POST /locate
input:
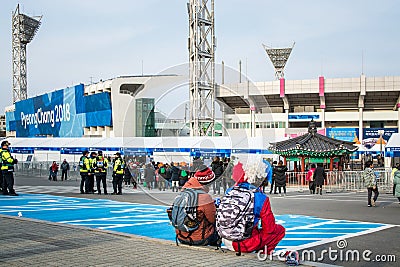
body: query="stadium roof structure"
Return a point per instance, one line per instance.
(312, 145)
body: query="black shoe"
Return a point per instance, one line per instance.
(14, 194)
(5, 193)
(119, 193)
(105, 193)
(99, 193)
(113, 193)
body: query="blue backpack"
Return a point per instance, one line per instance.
(183, 213)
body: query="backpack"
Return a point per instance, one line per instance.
(162, 170)
(184, 173)
(183, 214)
(235, 214)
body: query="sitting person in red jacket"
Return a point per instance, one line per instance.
(270, 233)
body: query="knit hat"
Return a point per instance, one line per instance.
(204, 175)
(238, 173)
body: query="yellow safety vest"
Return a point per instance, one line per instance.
(7, 160)
(119, 165)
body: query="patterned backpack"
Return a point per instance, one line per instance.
(235, 214)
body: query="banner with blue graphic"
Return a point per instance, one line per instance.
(62, 113)
(344, 134)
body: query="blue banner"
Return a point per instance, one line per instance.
(343, 134)
(62, 113)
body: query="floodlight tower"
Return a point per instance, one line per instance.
(23, 31)
(279, 57)
(202, 67)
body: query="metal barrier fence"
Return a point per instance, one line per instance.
(340, 181)
(336, 181)
(42, 169)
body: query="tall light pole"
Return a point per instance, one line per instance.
(24, 29)
(202, 67)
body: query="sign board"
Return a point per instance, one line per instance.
(62, 113)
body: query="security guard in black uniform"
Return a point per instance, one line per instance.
(100, 166)
(118, 174)
(84, 168)
(7, 169)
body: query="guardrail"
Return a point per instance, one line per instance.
(336, 181)
(340, 181)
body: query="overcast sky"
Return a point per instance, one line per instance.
(84, 40)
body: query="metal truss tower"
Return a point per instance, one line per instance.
(279, 57)
(202, 67)
(24, 29)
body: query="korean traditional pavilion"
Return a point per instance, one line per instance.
(313, 146)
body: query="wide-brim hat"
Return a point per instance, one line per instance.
(204, 175)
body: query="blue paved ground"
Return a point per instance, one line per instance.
(152, 221)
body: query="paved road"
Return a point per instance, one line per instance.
(339, 206)
(26, 242)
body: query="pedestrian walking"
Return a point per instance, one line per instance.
(135, 174)
(369, 178)
(319, 177)
(162, 174)
(183, 176)
(396, 184)
(218, 168)
(175, 173)
(64, 170)
(280, 177)
(273, 178)
(149, 175)
(310, 178)
(53, 171)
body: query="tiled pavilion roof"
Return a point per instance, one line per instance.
(312, 145)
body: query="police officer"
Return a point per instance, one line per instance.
(100, 165)
(92, 158)
(7, 169)
(84, 168)
(118, 174)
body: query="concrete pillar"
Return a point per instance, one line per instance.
(253, 121)
(360, 124)
(287, 118)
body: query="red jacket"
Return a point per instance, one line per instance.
(206, 210)
(310, 176)
(268, 235)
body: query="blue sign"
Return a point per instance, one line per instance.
(209, 152)
(134, 151)
(303, 117)
(62, 113)
(343, 134)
